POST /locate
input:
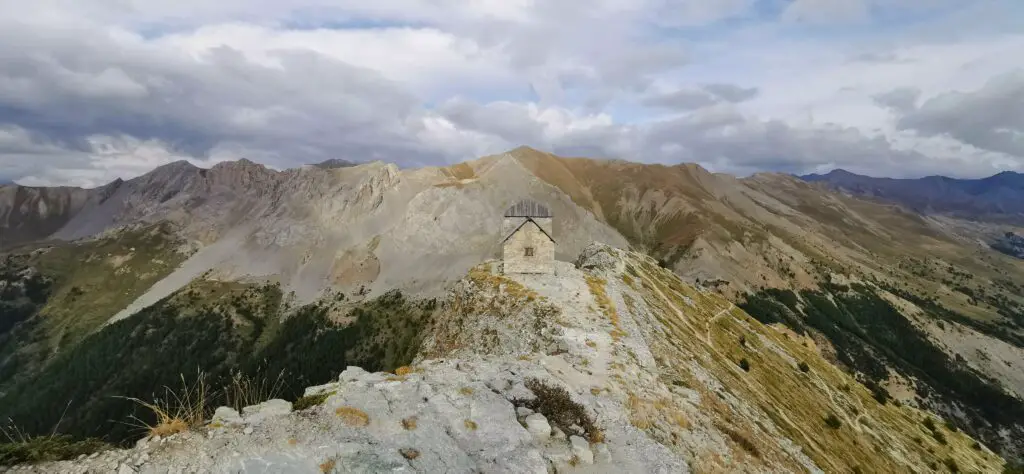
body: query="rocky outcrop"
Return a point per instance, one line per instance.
(635, 372)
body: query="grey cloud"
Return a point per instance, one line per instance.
(731, 92)
(706, 95)
(903, 99)
(682, 99)
(719, 137)
(65, 87)
(990, 118)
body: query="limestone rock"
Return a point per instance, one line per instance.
(599, 257)
(319, 389)
(222, 416)
(581, 449)
(538, 426)
(267, 409)
(352, 373)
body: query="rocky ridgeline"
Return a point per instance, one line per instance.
(444, 416)
(610, 365)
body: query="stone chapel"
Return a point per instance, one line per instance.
(528, 245)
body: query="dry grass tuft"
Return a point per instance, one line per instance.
(640, 413)
(244, 390)
(404, 370)
(327, 466)
(605, 304)
(176, 411)
(466, 390)
(352, 416)
(409, 453)
(470, 425)
(409, 423)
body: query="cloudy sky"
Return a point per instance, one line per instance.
(91, 90)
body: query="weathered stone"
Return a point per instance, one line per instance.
(523, 412)
(538, 426)
(319, 389)
(352, 373)
(557, 433)
(222, 416)
(601, 453)
(581, 449)
(267, 409)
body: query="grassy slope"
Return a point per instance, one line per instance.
(217, 328)
(772, 231)
(89, 282)
(699, 342)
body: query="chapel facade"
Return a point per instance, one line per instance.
(528, 245)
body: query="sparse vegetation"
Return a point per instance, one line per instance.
(741, 440)
(866, 330)
(744, 364)
(352, 416)
(177, 410)
(310, 401)
(409, 423)
(833, 421)
(244, 389)
(557, 406)
(409, 453)
(38, 449)
(804, 367)
(470, 425)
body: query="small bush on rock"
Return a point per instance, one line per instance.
(745, 365)
(804, 367)
(310, 401)
(832, 421)
(409, 453)
(558, 407)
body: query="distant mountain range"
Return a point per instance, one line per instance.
(999, 197)
(320, 267)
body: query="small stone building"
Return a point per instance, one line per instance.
(528, 245)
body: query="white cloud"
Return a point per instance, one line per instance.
(94, 89)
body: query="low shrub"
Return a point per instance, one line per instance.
(833, 421)
(47, 448)
(310, 401)
(558, 407)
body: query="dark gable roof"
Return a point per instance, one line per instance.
(520, 226)
(528, 208)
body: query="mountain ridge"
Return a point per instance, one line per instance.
(998, 197)
(775, 243)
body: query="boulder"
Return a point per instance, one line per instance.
(538, 426)
(224, 416)
(599, 257)
(581, 449)
(351, 374)
(267, 409)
